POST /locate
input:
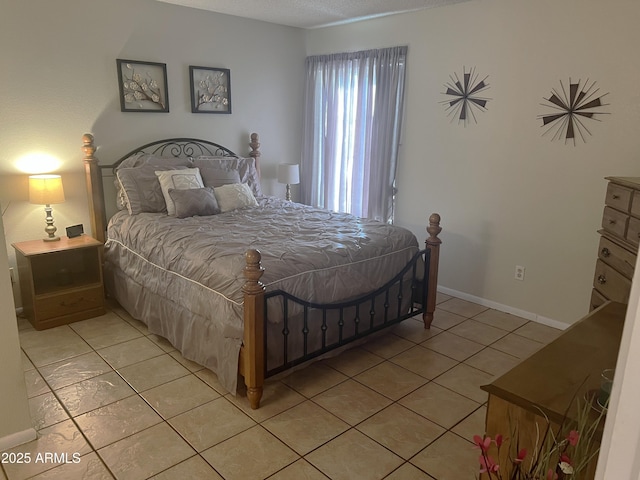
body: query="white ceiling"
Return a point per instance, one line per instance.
(311, 13)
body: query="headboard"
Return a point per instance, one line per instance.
(95, 174)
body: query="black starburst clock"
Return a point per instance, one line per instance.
(465, 96)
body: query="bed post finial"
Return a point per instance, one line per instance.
(253, 347)
(433, 245)
(255, 152)
(95, 195)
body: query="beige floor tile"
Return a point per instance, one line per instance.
(52, 345)
(93, 393)
(462, 307)
(46, 410)
(153, 372)
(445, 320)
(170, 400)
(453, 346)
(408, 472)
(402, 431)
(474, 424)
(35, 383)
(89, 467)
(414, 331)
(478, 332)
(493, 361)
(211, 379)
(276, 398)
(211, 423)
(439, 404)
(105, 330)
(517, 346)
(314, 379)
(61, 438)
(194, 468)
(354, 361)
(466, 381)
(188, 364)
(391, 380)
(449, 458)
(300, 470)
(26, 363)
(74, 370)
(24, 323)
(267, 455)
(351, 401)
(305, 427)
(424, 362)
(442, 297)
(146, 453)
(538, 332)
(387, 345)
(130, 352)
(354, 455)
(502, 320)
(113, 422)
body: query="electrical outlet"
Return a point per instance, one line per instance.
(13, 279)
(519, 275)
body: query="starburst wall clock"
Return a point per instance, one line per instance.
(465, 99)
(571, 111)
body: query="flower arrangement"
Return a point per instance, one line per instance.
(561, 454)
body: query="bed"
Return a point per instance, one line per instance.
(257, 285)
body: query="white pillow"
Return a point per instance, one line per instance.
(185, 179)
(234, 196)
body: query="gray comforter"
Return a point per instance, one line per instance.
(183, 277)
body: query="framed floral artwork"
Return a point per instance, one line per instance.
(143, 86)
(210, 90)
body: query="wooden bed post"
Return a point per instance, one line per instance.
(253, 347)
(255, 152)
(433, 245)
(95, 194)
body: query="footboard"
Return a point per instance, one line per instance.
(307, 330)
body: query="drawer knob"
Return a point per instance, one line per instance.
(612, 222)
(606, 252)
(602, 279)
(615, 196)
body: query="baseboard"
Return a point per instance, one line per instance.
(18, 438)
(534, 317)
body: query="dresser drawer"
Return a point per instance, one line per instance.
(59, 305)
(597, 299)
(635, 203)
(633, 231)
(618, 197)
(616, 256)
(610, 283)
(615, 222)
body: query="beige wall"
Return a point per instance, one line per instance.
(507, 195)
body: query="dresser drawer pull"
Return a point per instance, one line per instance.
(64, 303)
(615, 196)
(612, 222)
(606, 252)
(602, 279)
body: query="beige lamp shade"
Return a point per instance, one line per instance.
(45, 189)
(289, 173)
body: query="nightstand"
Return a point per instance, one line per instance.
(60, 282)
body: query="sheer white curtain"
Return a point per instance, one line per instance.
(353, 111)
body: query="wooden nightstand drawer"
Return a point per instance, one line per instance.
(619, 197)
(58, 305)
(610, 283)
(618, 257)
(614, 221)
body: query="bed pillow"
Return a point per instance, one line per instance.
(213, 177)
(194, 201)
(139, 189)
(180, 180)
(246, 168)
(234, 196)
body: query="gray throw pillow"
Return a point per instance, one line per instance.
(215, 177)
(140, 188)
(194, 201)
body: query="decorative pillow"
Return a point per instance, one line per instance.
(179, 180)
(212, 177)
(195, 201)
(246, 168)
(234, 196)
(139, 188)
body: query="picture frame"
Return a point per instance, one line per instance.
(143, 86)
(210, 89)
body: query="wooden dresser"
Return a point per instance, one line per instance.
(620, 235)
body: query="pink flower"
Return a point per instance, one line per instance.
(573, 437)
(488, 465)
(521, 454)
(482, 443)
(498, 440)
(551, 475)
(565, 458)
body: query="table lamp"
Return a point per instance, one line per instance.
(46, 190)
(288, 173)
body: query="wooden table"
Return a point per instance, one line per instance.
(554, 377)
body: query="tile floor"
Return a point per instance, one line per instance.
(401, 407)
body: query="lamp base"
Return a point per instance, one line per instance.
(51, 239)
(50, 228)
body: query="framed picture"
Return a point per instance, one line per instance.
(210, 90)
(143, 86)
